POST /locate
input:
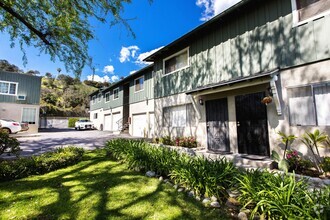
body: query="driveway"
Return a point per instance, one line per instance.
(32, 144)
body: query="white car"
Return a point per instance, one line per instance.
(84, 124)
(10, 126)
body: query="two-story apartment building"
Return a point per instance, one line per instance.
(20, 98)
(127, 104)
(215, 81)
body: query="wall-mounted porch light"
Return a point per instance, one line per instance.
(201, 101)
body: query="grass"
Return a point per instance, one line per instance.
(98, 188)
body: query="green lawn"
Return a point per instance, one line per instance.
(98, 188)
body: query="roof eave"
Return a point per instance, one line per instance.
(216, 18)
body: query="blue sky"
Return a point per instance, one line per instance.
(115, 52)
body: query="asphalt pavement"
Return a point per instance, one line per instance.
(50, 139)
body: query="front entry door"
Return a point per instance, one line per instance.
(252, 129)
(217, 125)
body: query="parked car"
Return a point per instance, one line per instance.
(83, 124)
(10, 126)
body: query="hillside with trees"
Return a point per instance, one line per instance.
(64, 96)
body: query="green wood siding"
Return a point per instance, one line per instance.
(250, 42)
(27, 85)
(148, 90)
(107, 105)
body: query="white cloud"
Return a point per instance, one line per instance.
(128, 52)
(132, 72)
(105, 78)
(114, 78)
(142, 56)
(214, 7)
(98, 78)
(109, 69)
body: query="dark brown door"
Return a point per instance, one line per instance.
(252, 129)
(217, 125)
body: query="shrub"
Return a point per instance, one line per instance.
(23, 167)
(9, 144)
(72, 121)
(167, 140)
(326, 164)
(205, 177)
(189, 142)
(298, 163)
(276, 196)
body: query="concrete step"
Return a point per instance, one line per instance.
(241, 160)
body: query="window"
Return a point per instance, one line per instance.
(179, 116)
(99, 97)
(138, 84)
(94, 99)
(176, 62)
(116, 93)
(107, 97)
(309, 105)
(305, 10)
(29, 115)
(8, 88)
(95, 116)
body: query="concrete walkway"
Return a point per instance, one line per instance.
(48, 140)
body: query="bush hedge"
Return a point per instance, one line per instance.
(205, 177)
(267, 195)
(9, 144)
(35, 165)
(72, 121)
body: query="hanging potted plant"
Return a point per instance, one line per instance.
(266, 100)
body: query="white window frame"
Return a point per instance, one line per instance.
(113, 91)
(315, 109)
(174, 120)
(295, 15)
(176, 54)
(105, 97)
(135, 91)
(94, 99)
(99, 97)
(9, 82)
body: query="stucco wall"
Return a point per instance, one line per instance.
(99, 122)
(303, 75)
(139, 108)
(14, 111)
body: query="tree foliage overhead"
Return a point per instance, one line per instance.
(60, 28)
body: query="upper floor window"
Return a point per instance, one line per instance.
(308, 105)
(99, 97)
(138, 84)
(107, 97)
(116, 93)
(94, 99)
(176, 62)
(306, 10)
(8, 88)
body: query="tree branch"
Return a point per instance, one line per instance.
(27, 24)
